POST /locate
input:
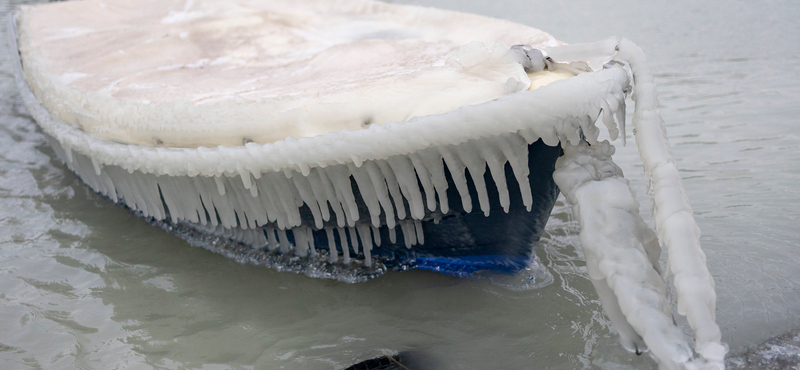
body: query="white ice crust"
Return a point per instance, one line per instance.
(388, 160)
(189, 73)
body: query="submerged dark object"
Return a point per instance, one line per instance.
(406, 360)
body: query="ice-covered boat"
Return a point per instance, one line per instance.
(356, 130)
(352, 127)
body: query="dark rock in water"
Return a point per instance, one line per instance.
(778, 353)
(407, 360)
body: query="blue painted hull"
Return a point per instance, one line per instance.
(461, 243)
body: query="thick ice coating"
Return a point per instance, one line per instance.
(260, 71)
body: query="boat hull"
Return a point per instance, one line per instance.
(460, 243)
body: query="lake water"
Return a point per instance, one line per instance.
(85, 284)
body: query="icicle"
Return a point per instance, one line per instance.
(96, 166)
(271, 239)
(333, 254)
(406, 239)
(304, 169)
(491, 154)
(238, 203)
(124, 188)
(394, 188)
(253, 189)
(135, 196)
(304, 188)
(227, 211)
(220, 186)
(272, 207)
(419, 232)
(425, 179)
(432, 159)
(111, 189)
(381, 191)
(458, 174)
(548, 134)
(275, 207)
(404, 173)
(300, 241)
(529, 136)
(310, 239)
(259, 239)
(368, 193)
(145, 189)
(245, 176)
(318, 189)
(376, 236)
(205, 199)
(256, 210)
(608, 121)
(182, 188)
(224, 209)
(285, 195)
(393, 235)
(368, 257)
(515, 149)
(409, 233)
(166, 190)
(364, 231)
(345, 247)
(340, 178)
(476, 167)
(353, 239)
(333, 200)
(284, 241)
(620, 116)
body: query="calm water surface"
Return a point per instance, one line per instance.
(84, 284)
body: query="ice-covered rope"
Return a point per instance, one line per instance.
(587, 176)
(615, 240)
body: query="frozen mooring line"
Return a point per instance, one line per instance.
(622, 252)
(260, 194)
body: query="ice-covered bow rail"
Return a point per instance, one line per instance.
(621, 251)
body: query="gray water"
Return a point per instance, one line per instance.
(85, 284)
